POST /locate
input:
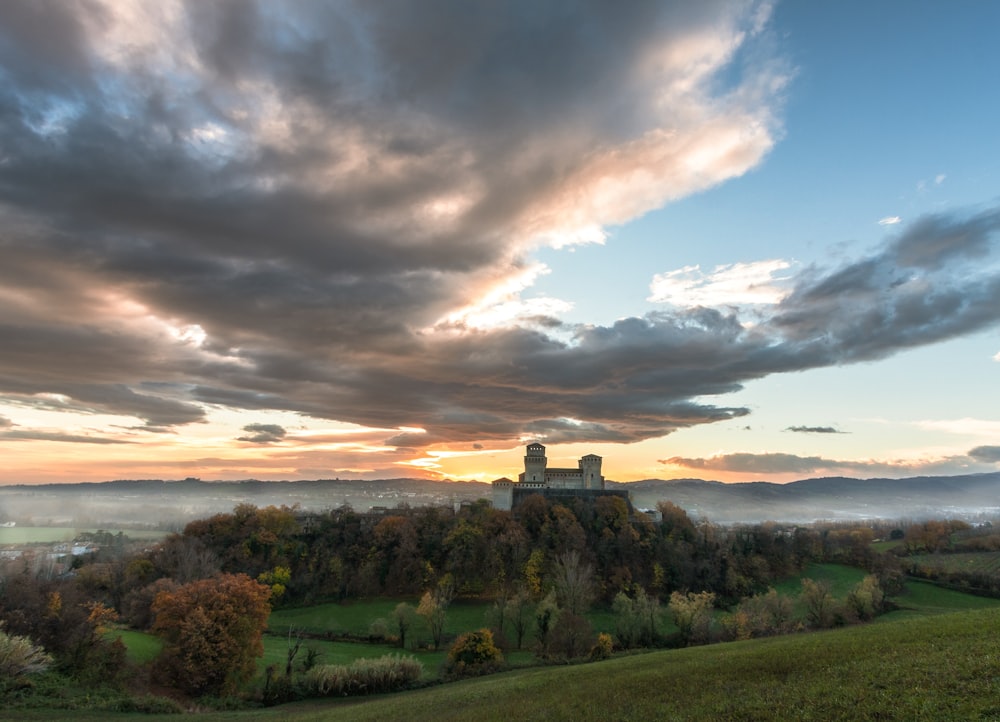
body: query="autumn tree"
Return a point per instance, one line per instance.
(212, 630)
(434, 608)
(474, 653)
(692, 613)
(865, 600)
(819, 603)
(403, 617)
(572, 635)
(573, 581)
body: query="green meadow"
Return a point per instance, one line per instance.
(935, 658)
(935, 666)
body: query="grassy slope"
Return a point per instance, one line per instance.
(924, 662)
(930, 668)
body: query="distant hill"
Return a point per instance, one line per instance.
(156, 502)
(159, 503)
(826, 498)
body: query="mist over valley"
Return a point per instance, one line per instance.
(169, 505)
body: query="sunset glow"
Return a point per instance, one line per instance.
(730, 240)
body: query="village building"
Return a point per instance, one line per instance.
(583, 481)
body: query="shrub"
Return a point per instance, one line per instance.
(363, 676)
(572, 636)
(474, 653)
(692, 613)
(20, 656)
(602, 647)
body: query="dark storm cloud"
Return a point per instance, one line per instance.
(263, 433)
(986, 453)
(814, 430)
(273, 205)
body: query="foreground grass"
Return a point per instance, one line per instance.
(930, 668)
(943, 667)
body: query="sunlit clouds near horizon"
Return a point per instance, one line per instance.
(288, 240)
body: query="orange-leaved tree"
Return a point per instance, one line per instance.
(212, 629)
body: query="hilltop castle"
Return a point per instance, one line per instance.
(585, 481)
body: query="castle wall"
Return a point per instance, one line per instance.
(537, 477)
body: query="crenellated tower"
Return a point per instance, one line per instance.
(590, 469)
(534, 463)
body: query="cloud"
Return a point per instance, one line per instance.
(814, 430)
(38, 435)
(331, 210)
(986, 453)
(778, 463)
(890, 221)
(737, 283)
(263, 433)
(5, 423)
(965, 426)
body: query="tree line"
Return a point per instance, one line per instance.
(207, 591)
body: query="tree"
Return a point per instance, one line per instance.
(692, 613)
(865, 600)
(434, 609)
(627, 622)
(212, 630)
(819, 603)
(518, 613)
(403, 617)
(573, 580)
(571, 636)
(474, 653)
(546, 615)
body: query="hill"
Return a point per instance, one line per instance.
(827, 498)
(158, 502)
(909, 668)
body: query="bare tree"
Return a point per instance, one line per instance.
(573, 580)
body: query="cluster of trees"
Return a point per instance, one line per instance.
(207, 591)
(488, 553)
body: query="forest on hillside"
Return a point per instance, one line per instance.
(207, 592)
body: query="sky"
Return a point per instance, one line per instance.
(295, 240)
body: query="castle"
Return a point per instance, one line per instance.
(585, 481)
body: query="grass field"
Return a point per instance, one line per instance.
(356, 617)
(142, 647)
(977, 562)
(934, 659)
(939, 667)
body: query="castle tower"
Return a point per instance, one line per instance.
(535, 463)
(590, 469)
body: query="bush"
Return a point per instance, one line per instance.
(602, 647)
(20, 656)
(474, 653)
(363, 676)
(572, 636)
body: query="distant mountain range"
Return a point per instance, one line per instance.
(154, 502)
(826, 498)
